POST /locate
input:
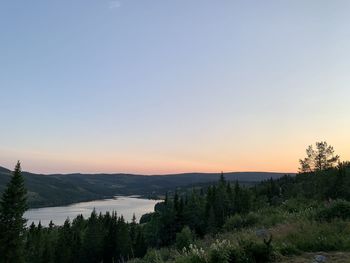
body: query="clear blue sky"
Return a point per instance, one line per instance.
(153, 86)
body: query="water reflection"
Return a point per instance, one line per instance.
(125, 206)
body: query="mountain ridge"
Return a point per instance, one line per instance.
(139, 174)
(61, 189)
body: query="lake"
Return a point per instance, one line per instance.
(123, 205)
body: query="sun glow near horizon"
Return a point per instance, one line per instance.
(281, 159)
(157, 87)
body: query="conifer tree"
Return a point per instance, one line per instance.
(176, 201)
(211, 224)
(321, 158)
(93, 240)
(237, 198)
(133, 229)
(140, 247)
(222, 178)
(110, 238)
(166, 198)
(13, 204)
(64, 243)
(123, 240)
(51, 225)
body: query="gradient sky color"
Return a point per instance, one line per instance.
(165, 86)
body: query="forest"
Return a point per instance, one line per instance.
(46, 190)
(302, 215)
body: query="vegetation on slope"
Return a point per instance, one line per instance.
(274, 221)
(58, 189)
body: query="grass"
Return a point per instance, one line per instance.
(297, 237)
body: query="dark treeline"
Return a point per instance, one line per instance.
(108, 238)
(333, 183)
(195, 213)
(203, 212)
(101, 238)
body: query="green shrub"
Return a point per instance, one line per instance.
(287, 249)
(238, 221)
(315, 236)
(258, 252)
(192, 254)
(153, 256)
(219, 252)
(251, 219)
(233, 222)
(184, 238)
(296, 205)
(272, 216)
(235, 255)
(225, 252)
(337, 209)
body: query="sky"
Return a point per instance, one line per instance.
(168, 86)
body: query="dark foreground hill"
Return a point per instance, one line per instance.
(59, 189)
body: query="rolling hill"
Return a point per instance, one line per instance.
(60, 189)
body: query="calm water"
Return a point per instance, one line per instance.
(125, 206)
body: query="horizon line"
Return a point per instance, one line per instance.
(153, 174)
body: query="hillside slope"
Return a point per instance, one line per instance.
(59, 189)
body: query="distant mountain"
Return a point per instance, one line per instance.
(60, 189)
(4, 170)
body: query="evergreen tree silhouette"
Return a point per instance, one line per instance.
(13, 204)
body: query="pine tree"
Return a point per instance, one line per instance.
(133, 225)
(33, 244)
(321, 158)
(123, 240)
(13, 204)
(51, 225)
(211, 223)
(176, 201)
(140, 247)
(29, 244)
(222, 178)
(93, 240)
(110, 238)
(237, 198)
(64, 243)
(166, 198)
